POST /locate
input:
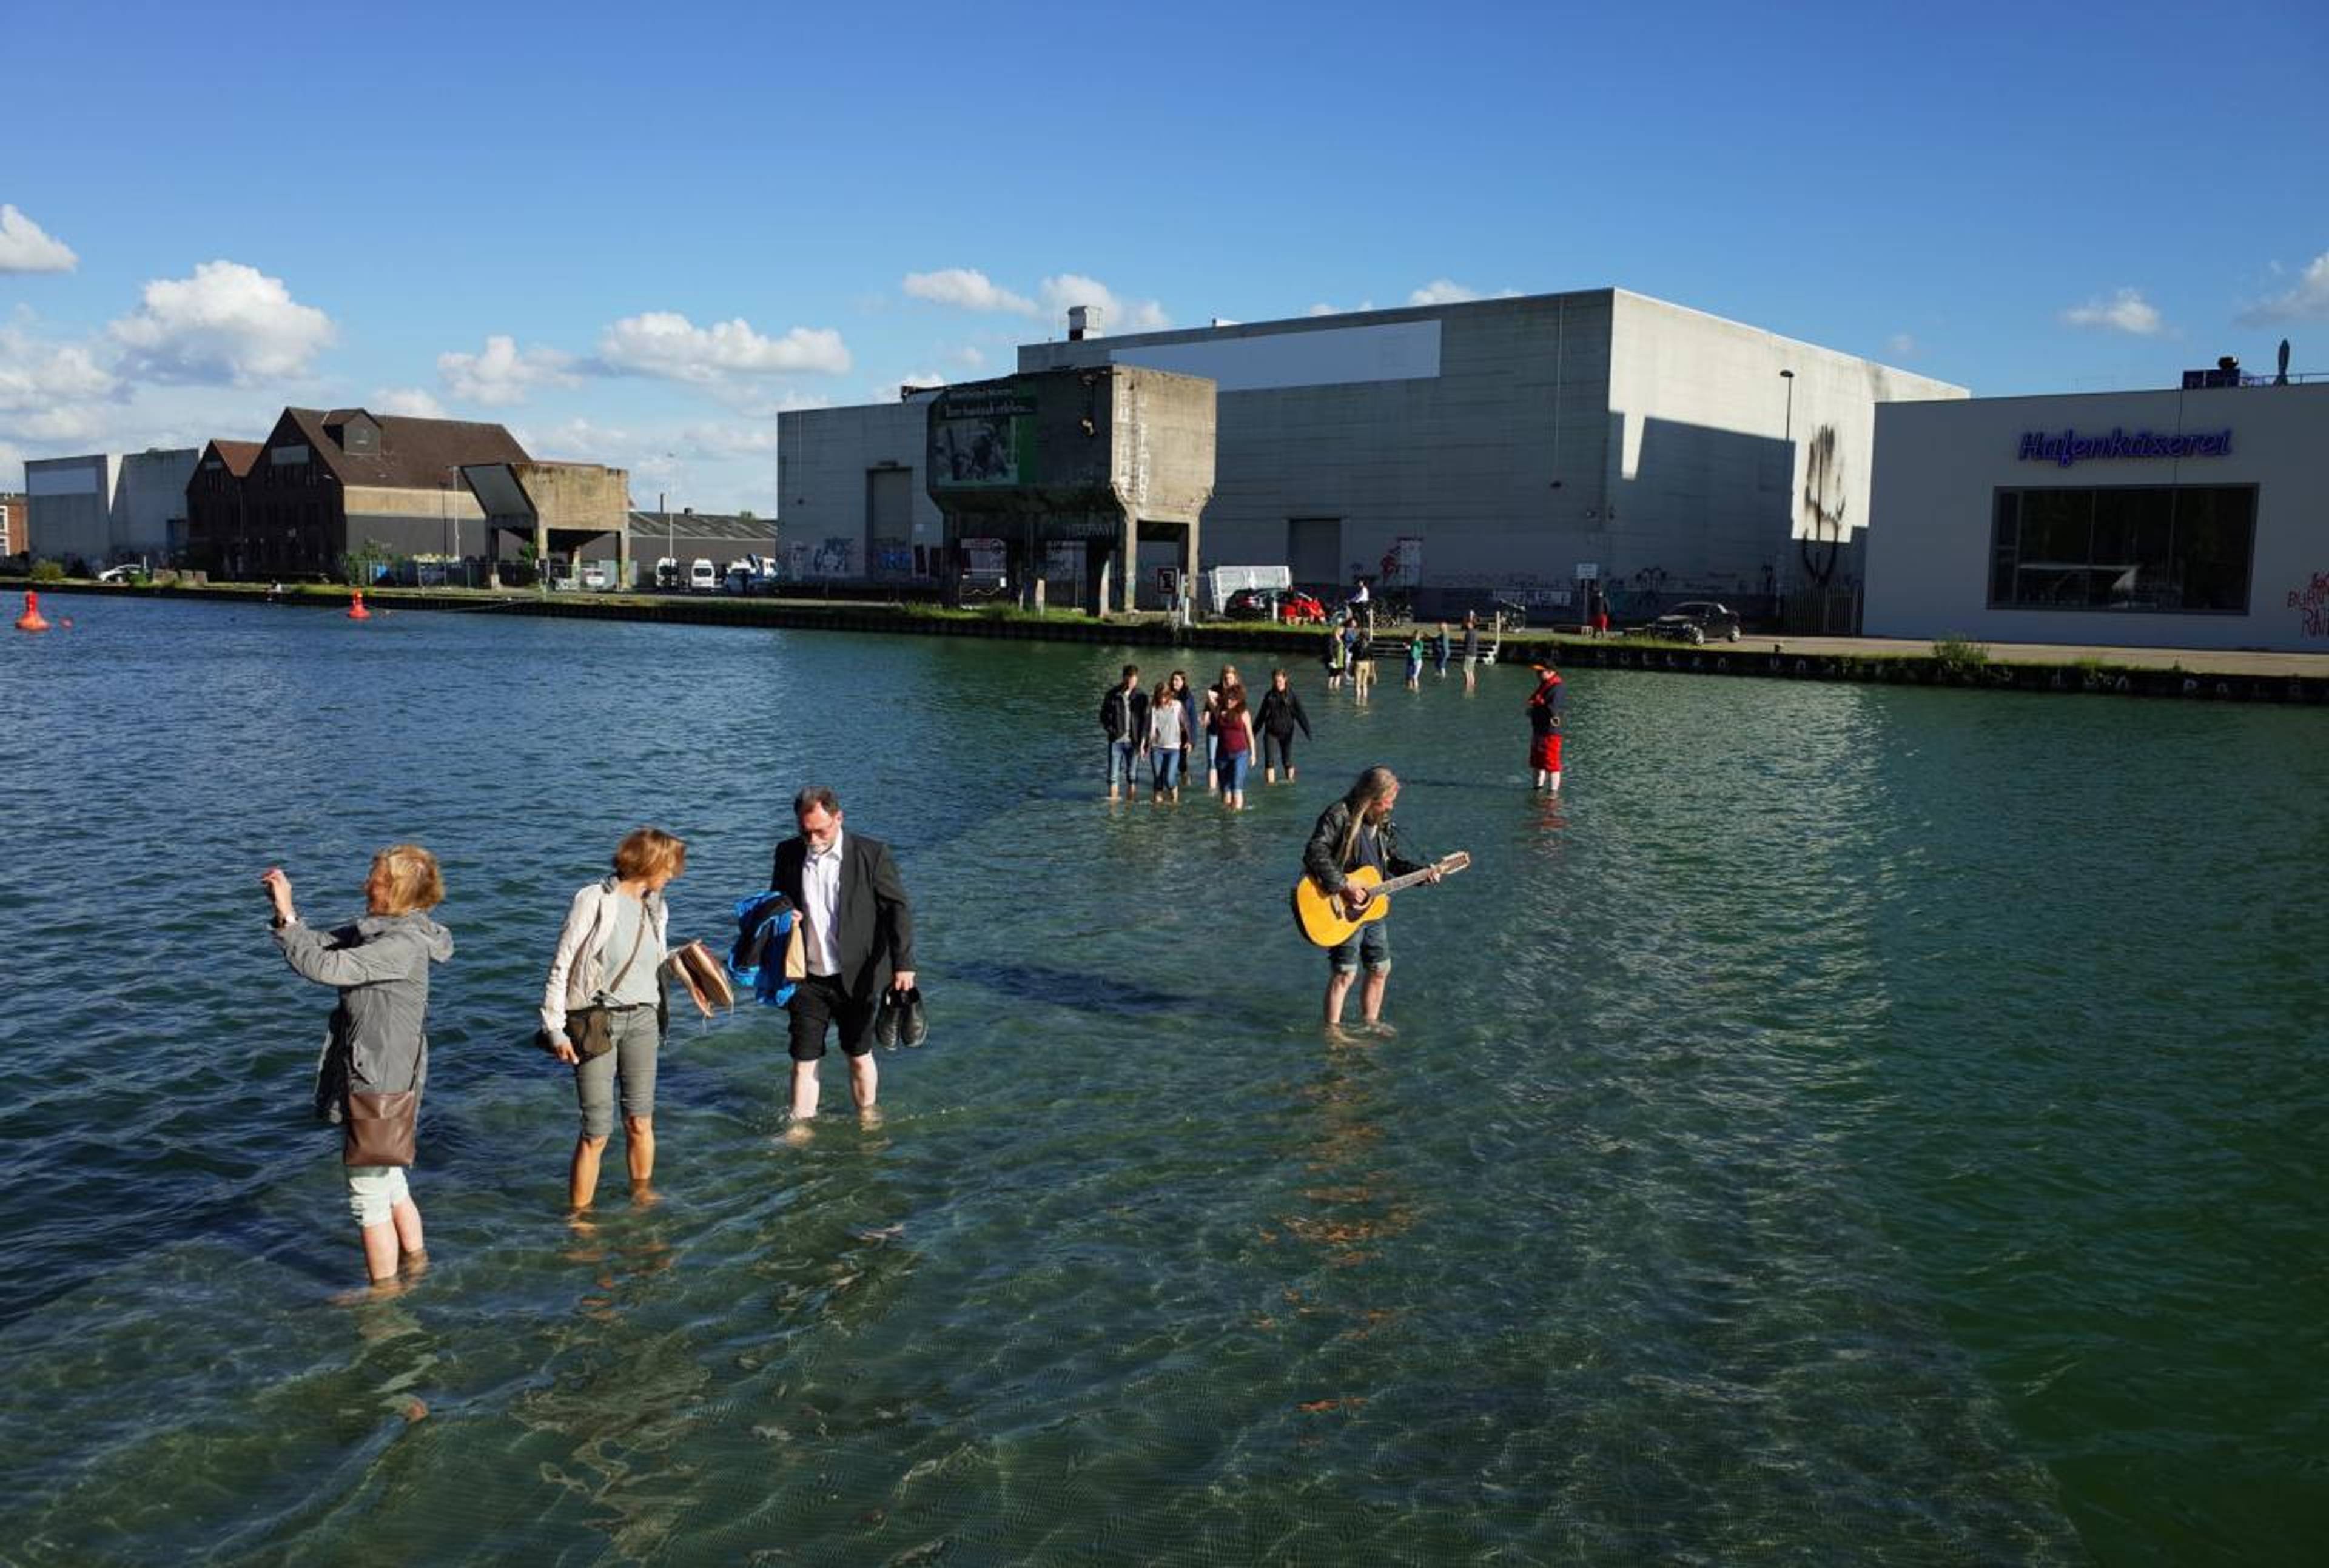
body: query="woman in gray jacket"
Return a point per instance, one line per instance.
(610, 954)
(377, 1044)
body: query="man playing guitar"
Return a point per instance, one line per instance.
(1357, 830)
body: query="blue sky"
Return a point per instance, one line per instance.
(633, 235)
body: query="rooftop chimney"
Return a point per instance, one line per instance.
(1083, 321)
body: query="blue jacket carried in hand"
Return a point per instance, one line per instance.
(764, 928)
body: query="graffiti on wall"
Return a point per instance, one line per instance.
(2310, 600)
(835, 558)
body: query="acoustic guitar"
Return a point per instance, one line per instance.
(1326, 920)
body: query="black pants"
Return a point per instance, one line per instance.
(819, 1002)
(1277, 750)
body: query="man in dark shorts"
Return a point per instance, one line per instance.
(1357, 830)
(857, 940)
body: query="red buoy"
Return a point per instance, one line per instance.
(32, 620)
(356, 611)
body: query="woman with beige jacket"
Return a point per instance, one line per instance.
(610, 954)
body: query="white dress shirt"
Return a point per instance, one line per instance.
(821, 890)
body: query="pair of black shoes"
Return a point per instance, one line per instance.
(900, 1019)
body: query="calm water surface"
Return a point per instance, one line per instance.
(1851, 1125)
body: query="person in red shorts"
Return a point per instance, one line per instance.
(1544, 705)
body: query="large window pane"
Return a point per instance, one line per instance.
(2149, 547)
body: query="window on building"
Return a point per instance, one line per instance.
(2185, 549)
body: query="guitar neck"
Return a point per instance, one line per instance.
(1412, 878)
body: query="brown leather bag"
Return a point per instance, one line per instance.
(380, 1129)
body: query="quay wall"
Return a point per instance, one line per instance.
(1914, 666)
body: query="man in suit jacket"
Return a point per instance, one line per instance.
(857, 938)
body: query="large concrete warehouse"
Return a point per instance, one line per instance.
(1516, 448)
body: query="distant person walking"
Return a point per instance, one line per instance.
(1544, 716)
(857, 942)
(610, 956)
(376, 1056)
(1439, 651)
(1191, 714)
(1123, 716)
(1278, 717)
(1233, 730)
(1167, 742)
(1471, 650)
(1356, 831)
(1415, 659)
(1338, 656)
(1362, 662)
(1229, 677)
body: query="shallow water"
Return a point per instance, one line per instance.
(1850, 1124)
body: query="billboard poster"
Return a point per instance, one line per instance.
(983, 437)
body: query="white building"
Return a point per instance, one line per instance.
(1516, 447)
(2185, 519)
(104, 507)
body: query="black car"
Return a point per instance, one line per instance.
(1695, 622)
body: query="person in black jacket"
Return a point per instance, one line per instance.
(1124, 715)
(857, 940)
(1280, 712)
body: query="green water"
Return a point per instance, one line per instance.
(1850, 1124)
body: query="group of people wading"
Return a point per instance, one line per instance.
(1166, 726)
(613, 953)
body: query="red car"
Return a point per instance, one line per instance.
(1300, 608)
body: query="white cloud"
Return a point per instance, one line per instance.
(503, 373)
(1900, 346)
(410, 401)
(970, 356)
(36, 375)
(922, 379)
(227, 322)
(1116, 315)
(729, 440)
(1443, 291)
(1323, 308)
(2126, 310)
(966, 289)
(26, 246)
(577, 441)
(667, 344)
(2308, 301)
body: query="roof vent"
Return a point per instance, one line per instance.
(1083, 321)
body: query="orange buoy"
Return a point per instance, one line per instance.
(356, 611)
(32, 620)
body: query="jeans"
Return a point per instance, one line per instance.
(1232, 767)
(1123, 756)
(1370, 944)
(1164, 762)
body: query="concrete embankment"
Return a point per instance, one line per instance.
(2210, 675)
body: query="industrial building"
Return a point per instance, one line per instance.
(1532, 448)
(324, 486)
(104, 507)
(2182, 519)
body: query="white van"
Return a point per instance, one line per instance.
(702, 577)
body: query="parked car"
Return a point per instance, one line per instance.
(125, 574)
(703, 578)
(594, 577)
(1247, 605)
(1695, 621)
